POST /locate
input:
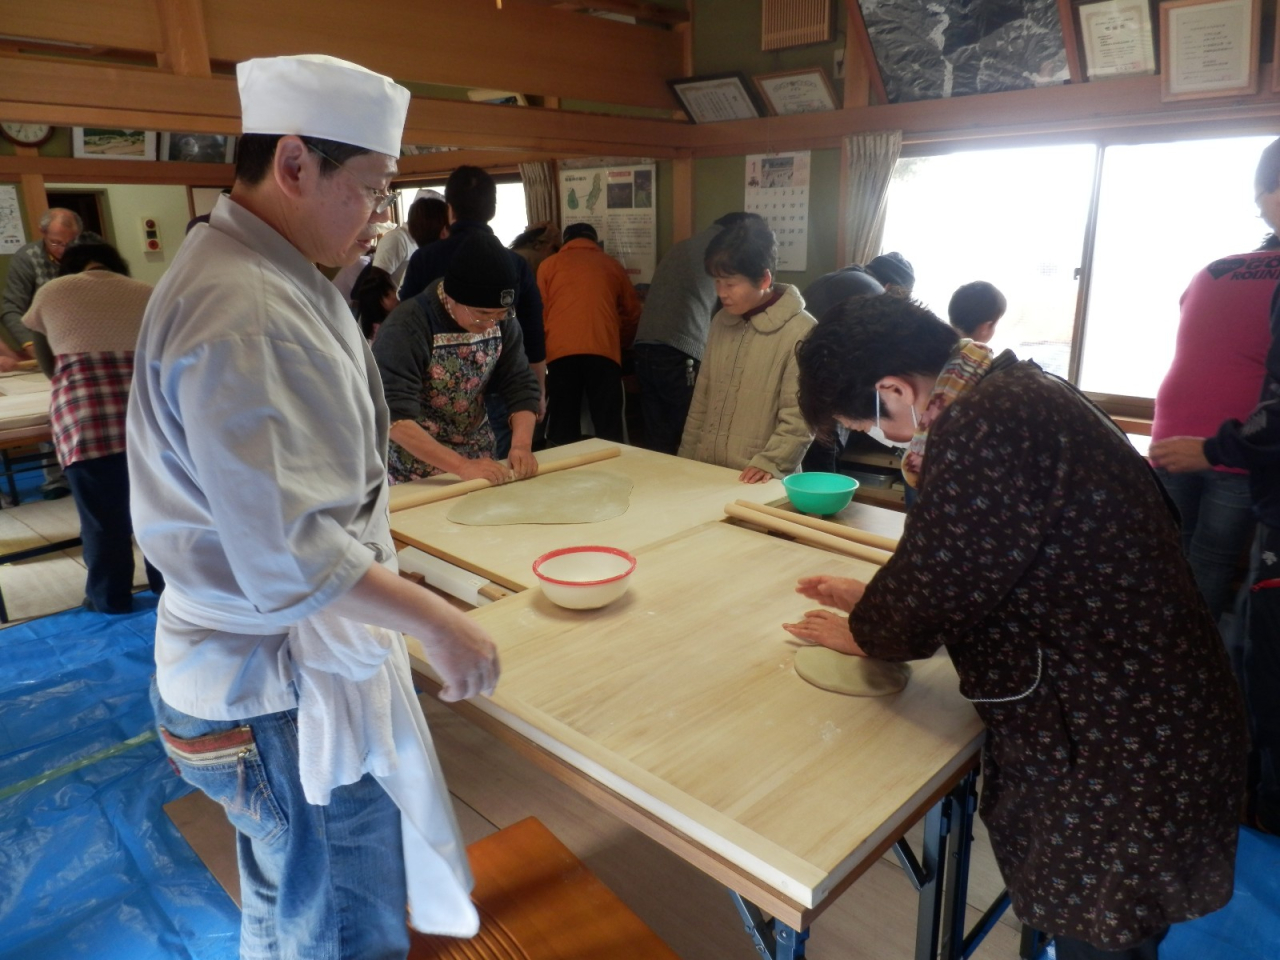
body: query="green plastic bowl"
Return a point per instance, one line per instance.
(821, 493)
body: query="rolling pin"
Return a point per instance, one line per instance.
(436, 494)
(806, 535)
(826, 526)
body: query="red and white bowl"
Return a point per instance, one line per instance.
(584, 578)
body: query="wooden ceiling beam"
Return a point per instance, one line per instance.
(186, 48)
(639, 9)
(525, 46)
(80, 94)
(112, 24)
(67, 170)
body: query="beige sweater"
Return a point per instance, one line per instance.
(92, 312)
(745, 410)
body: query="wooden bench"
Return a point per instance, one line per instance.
(537, 901)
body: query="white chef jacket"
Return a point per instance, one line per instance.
(257, 438)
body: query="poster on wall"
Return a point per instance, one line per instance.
(12, 233)
(778, 190)
(619, 203)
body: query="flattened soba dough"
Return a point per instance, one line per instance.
(570, 496)
(856, 676)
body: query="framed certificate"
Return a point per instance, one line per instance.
(797, 91)
(1117, 40)
(715, 97)
(1208, 48)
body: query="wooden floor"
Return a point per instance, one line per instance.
(54, 582)
(494, 787)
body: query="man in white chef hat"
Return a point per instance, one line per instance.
(257, 443)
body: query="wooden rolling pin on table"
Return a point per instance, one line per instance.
(829, 536)
(436, 494)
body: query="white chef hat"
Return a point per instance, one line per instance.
(312, 95)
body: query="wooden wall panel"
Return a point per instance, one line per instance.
(523, 47)
(81, 93)
(1114, 105)
(128, 24)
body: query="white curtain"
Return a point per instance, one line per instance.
(872, 157)
(539, 192)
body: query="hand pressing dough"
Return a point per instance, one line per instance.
(571, 496)
(838, 672)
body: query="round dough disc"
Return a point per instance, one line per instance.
(570, 496)
(838, 672)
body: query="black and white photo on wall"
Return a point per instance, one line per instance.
(933, 49)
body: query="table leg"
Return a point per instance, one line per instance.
(773, 939)
(964, 804)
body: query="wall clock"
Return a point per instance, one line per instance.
(26, 134)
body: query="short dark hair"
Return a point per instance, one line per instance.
(427, 217)
(371, 286)
(581, 231)
(472, 194)
(1267, 177)
(860, 342)
(255, 152)
(729, 219)
(80, 255)
(974, 304)
(747, 247)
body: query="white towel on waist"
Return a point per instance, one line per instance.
(358, 714)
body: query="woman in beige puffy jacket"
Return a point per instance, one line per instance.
(745, 413)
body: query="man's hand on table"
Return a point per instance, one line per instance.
(1179, 454)
(523, 463)
(7, 364)
(826, 629)
(843, 593)
(755, 475)
(464, 656)
(485, 468)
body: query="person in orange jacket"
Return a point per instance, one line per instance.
(590, 312)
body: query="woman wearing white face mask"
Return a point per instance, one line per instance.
(1042, 555)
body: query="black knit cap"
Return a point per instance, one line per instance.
(481, 273)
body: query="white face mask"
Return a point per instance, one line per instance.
(876, 434)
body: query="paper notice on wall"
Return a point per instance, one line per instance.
(778, 190)
(619, 203)
(12, 233)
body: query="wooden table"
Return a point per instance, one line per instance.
(677, 707)
(670, 495)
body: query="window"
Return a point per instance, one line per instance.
(1020, 218)
(1015, 218)
(507, 224)
(1164, 211)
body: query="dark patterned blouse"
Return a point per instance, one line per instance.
(1042, 554)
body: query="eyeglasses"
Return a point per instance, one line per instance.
(382, 199)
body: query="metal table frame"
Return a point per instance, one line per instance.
(940, 875)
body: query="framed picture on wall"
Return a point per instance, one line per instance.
(715, 97)
(1117, 38)
(1209, 48)
(197, 147)
(96, 143)
(797, 91)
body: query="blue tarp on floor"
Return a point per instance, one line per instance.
(89, 864)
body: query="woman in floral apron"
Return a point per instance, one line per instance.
(439, 352)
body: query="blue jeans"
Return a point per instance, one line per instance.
(1262, 673)
(1217, 523)
(101, 490)
(666, 378)
(316, 883)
